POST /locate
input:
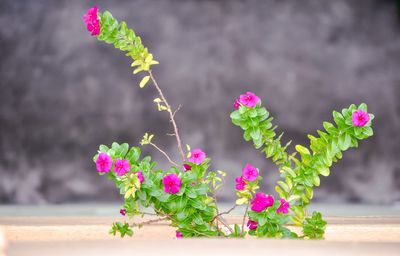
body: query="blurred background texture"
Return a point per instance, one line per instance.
(62, 93)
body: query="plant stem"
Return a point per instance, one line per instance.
(244, 220)
(164, 153)
(222, 213)
(148, 222)
(171, 116)
(218, 218)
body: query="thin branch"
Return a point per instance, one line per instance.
(222, 213)
(220, 219)
(244, 220)
(179, 107)
(148, 222)
(164, 153)
(178, 139)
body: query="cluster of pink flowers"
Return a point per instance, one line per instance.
(172, 182)
(262, 201)
(92, 21)
(121, 166)
(249, 173)
(360, 118)
(248, 99)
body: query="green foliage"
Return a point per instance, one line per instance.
(314, 227)
(192, 210)
(271, 224)
(121, 228)
(300, 174)
(125, 39)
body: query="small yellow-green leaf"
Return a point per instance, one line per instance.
(324, 171)
(136, 63)
(302, 150)
(144, 81)
(208, 200)
(284, 186)
(154, 62)
(149, 58)
(162, 107)
(241, 201)
(137, 70)
(222, 173)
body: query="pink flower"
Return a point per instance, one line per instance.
(92, 21)
(187, 167)
(172, 183)
(261, 201)
(140, 177)
(283, 207)
(103, 162)
(252, 224)
(360, 118)
(122, 212)
(240, 183)
(178, 234)
(250, 173)
(236, 105)
(249, 99)
(197, 156)
(121, 167)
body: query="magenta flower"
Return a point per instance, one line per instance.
(178, 234)
(103, 162)
(122, 212)
(360, 118)
(121, 167)
(92, 21)
(283, 207)
(172, 183)
(250, 173)
(261, 201)
(236, 105)
(197, 156)
(140, 177)
(251, 224)
(249, 99)
(240, 183)
(187, 167)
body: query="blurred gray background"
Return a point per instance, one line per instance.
(62, 93)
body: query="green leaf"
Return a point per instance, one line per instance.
(144, 81)
(241, 201)
(316, 180)
(137, 70)
(302, 150)
(324, 171)
(235, 115)
(284, 186)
